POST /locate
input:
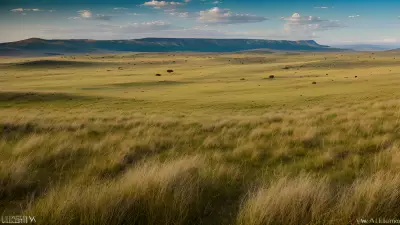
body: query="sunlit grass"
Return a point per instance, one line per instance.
(108, 142)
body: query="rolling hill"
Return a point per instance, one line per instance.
(36, 46)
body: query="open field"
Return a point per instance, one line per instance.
(100, 139)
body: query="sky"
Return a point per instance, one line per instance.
(326, 21)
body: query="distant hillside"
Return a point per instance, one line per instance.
(394, 50)
(365, 47)
(36, 46)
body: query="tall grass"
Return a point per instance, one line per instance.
(182, 191)
(121, 146)
(300, 200)
(293, 167)
(306, 200)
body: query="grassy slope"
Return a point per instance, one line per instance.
(102, 140)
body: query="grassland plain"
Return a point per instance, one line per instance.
(100, 139)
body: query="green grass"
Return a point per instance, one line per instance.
(101, 140)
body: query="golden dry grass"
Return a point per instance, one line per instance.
(84, 145)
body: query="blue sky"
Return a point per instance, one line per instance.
(326, 21)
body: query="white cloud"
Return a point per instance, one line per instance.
(162, 4)
(225, 16)
(17, 10)
(180, 14)
(88, 15)
(85, 13)
(354, 16)
(321, 7)
(215, 2)
(120, 8)
(21, 10)
(308, 24)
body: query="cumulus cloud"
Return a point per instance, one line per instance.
(321, 7)
(22, 10)
(85, 13)
(162, 4)
(308, 24)
(225, 16)
(354, 16)
(88, 15)
(120, 8)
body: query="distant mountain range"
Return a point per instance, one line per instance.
(36, 46)
(368, 47)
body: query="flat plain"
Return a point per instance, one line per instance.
(245, 138)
